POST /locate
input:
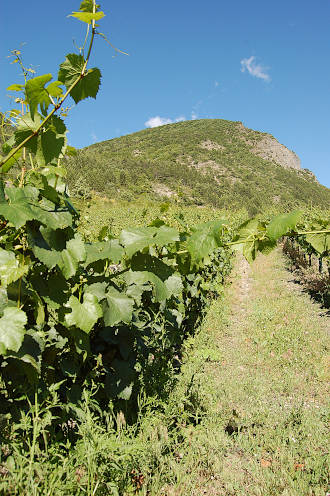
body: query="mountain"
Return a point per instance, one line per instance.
(203, 162)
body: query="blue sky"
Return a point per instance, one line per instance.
(266, 64)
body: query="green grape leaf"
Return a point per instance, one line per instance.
(250, 250)
(166, 235)
(265, 246)
(282, 224)
(50, 258)
(71, 70)
(36, 94)
(15, 87)
(26, 127)
(30, 351)
(204, 240)
(136, 239)
(12, 329)
(84, 315)
(248, 229)
(98, 289)
(174, 285)
(87, 17)
(88, 6)
(119, 308)
(12, 161)
(49, 146)
(140, 278)
(18, 210)
(120, 382)
(10, 269)
(320, 242)
(88, 86)
(144, 261)
(73, 254)
(3, 298)
(103, 250)
(54, 89)
(51, 142)
(45, 213)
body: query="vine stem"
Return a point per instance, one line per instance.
(36, 132)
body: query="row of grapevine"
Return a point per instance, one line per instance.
(110, 314)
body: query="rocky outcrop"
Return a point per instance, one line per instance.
(270, 149)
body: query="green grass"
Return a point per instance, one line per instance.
(247, 415)
(153, 163)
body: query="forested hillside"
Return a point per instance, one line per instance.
(202, 162)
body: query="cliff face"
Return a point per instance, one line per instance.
(270, 149)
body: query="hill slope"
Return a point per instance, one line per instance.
(203, 162)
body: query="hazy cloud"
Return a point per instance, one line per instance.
(161, 121)
(257, 70)
(216, 84)
(194, 115)
(94, 137)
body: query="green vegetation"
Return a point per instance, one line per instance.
(247, 415)
(202, 162)
(94, 322)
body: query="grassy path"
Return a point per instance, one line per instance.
(253, 395)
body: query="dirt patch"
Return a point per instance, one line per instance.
(211, 145)
(137, 153)
(163, 190)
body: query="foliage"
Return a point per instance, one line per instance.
(168, 163)
(110, 314)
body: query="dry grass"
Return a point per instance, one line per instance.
(259, 369)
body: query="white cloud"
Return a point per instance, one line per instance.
(255, 69)
(94, 137)
(161, 121)
(193, 115)
(157, 121)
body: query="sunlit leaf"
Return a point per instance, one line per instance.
(84, 315)
(54, 89)
(37, 95)
(282, 224)
(12, 329)
(205, 239)
(10, 268)
(15, 87)
(87, 17)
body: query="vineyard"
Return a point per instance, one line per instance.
(93, 326)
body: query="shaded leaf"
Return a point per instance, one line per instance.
(119, 308)
(88, 6)
(71, 71)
